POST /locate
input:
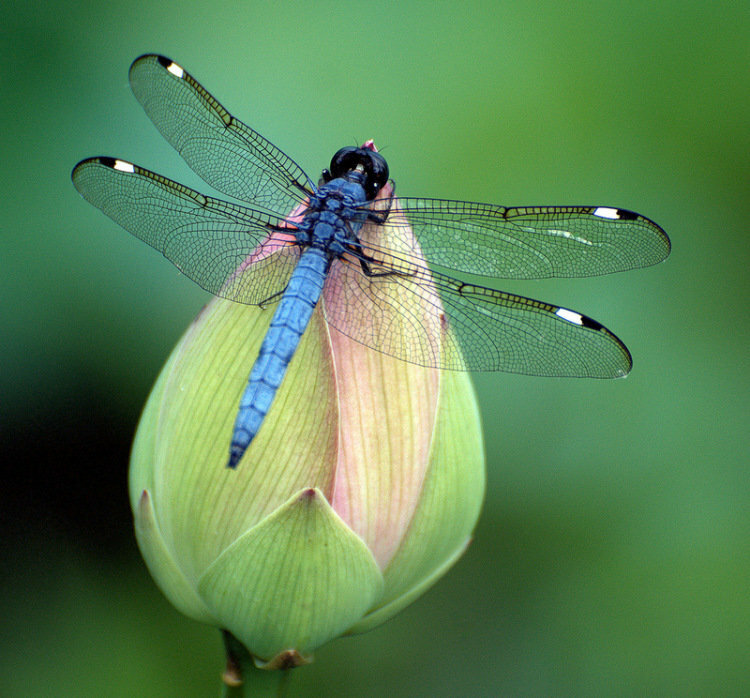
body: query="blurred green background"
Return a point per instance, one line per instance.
(612, 557)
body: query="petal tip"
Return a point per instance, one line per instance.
(308, 494)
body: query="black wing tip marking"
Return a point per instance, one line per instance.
(164, 61)
(121, 166)
(589, 323)
(103, 160)
(79, 165)
(99, 160)
(624, 214)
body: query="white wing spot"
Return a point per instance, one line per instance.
(175, 70)
(570, 316)
(604, 212)
(124, 166)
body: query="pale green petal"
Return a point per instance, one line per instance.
(164, 569)
(384, 613)
(451, 500)
(297, 580)
(160, 561)
(202, 506)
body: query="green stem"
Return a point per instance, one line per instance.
(243, 678)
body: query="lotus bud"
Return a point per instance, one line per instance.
(360, 490)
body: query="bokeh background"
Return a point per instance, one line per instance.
(612, 557)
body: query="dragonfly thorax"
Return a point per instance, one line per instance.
(346, 192)
(335, 215)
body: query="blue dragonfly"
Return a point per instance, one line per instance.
(386, 254)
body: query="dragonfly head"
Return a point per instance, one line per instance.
(371, 166)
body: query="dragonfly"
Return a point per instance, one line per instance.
(383, 264)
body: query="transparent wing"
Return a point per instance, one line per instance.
(225, 153)
(232, 251)
(533, 242)
(430, 319)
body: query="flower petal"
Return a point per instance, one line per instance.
(450, 504)
(387, 406)
(159, 559)
(387, 415)
(384, 613)
(141, 471)
(184, 434)
(163, 567)
(295, 581)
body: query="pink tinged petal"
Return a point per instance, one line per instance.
(448, 509)
(278, 249)
(387, 406)
(387, 411)
(277, 239)
(452, 495)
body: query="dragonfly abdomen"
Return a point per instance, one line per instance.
(284, 333)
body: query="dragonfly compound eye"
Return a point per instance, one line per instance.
(345, 160)
(371, 163)
(377, 173)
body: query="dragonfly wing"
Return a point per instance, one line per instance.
(232, 251)
(223, 151)
(533, 242)
(433, 320)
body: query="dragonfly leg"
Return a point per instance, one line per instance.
(271, 299)
(367, 262)
(305, 190)
(381, 216)
(378, 217)
(364, 262)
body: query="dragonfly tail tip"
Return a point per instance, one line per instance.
(235, 454)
